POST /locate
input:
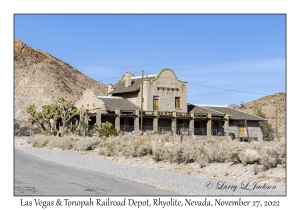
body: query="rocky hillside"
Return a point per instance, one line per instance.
(268, 107)
(40, 78)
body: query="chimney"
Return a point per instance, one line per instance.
(127, 79)
(109, 89)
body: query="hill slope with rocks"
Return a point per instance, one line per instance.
(267, 105)
(40, 79)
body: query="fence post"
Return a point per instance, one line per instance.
(226, 123)
(192, 124)
(155, 121)
(181, 136)
(209, 131)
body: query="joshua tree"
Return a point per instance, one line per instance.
(61, 109)
(67, 111)
(35, 117)
(50, 114)
(84, 117)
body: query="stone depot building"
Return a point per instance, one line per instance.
(165, 109)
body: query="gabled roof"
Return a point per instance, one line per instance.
(112, 103)
(135, 85)
(202, 110)
(235, 114)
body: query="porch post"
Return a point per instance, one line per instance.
(98, 116)
(117, 120)
(136, 122)
(155, 121)
(209, 131)
(174, 123)
(226, 124)
(192, 123)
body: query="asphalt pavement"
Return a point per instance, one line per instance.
(35, 176)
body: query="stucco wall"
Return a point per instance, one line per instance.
(166, 86)
(134, 98)
(253, 128)
(90, 102)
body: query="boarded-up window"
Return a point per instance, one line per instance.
(155, 103)
(177, 102)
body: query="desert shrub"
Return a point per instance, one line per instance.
(64, 143)
(164, 148)
(38, 141)
(16, 125)
(72, 142)
(216, 151)
(178, 154)
(52, 132)
(233, 155)
(109, 148)
(188, 155)
(105, 130)
(202, 160)
(165, 137)
(157, 155)
(144, 150)
(269, 157)
(281, 149)
(86, 144)
(249, 156)
(66, 132)
(255, 169)
(138, 146)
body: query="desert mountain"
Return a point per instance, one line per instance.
(268, 107)
(40, 79)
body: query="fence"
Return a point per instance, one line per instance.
(23, 128)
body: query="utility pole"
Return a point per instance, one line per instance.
(247, 131)
(142, 100)
(276, 121)
(276, 125)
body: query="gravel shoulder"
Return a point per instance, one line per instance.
(185, 179)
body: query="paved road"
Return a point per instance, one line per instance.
(35, 176)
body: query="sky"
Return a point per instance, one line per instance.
(226, 59)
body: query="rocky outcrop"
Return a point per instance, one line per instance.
(268, 106)
(40, 78)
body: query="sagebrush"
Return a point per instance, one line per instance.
(168, 148)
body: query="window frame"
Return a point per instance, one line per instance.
(177, 102)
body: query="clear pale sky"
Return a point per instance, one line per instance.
(242, 53)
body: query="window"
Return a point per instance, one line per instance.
(155, 103)
(177, 102)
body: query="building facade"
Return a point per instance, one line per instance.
(165, 109)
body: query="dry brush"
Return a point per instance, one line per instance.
(169, 148)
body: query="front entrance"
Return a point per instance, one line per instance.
(241, 130)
